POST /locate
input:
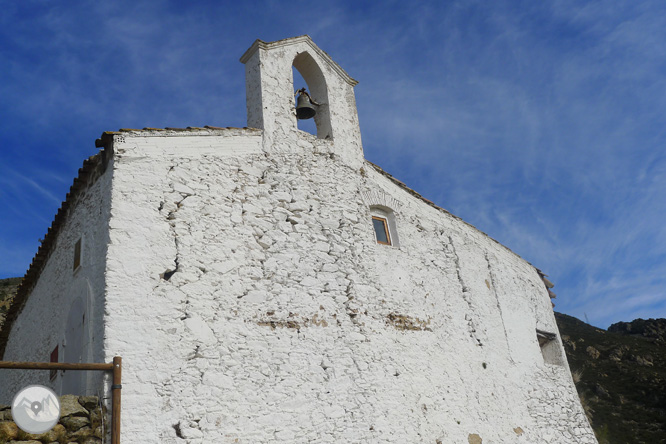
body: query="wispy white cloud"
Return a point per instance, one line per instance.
(548, 139)
(16, 181)
(540, 123)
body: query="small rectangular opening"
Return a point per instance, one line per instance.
(54, 358)
(381, 230)
(77, 254)
(550, 347)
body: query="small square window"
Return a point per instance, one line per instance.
(550, 348)
(381, 230)
(54, 358)
(77, 254)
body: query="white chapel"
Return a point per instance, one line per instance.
(268, 285)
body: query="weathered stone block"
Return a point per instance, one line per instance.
(98, 431)
(81, 434)
(89, 402)
(70, 406)
(474, 438)
(57, 433)
(8, 431)
(74, 423)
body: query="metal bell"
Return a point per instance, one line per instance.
(304, 107)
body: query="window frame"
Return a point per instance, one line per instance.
(384, 221)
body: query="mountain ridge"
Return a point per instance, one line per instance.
(8, 289)
(620, 375)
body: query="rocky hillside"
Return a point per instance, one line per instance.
(7, 290)
(81, 421)
(651, 329)
(620, 375)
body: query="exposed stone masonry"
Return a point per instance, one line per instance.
(82, 421)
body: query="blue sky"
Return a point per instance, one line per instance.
(539, 122)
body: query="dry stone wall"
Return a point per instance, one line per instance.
(82, 420)
(251, 303)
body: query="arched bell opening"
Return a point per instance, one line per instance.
(305, 70)
(307, 125)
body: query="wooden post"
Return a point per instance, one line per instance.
(115, 399)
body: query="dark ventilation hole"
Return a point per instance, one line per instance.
(167, 274)
(179, 433)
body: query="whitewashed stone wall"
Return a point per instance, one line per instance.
(285, 321)
(250, 302)
(43, 321)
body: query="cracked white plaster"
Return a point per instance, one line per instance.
(283, 320)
